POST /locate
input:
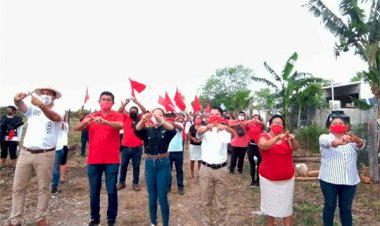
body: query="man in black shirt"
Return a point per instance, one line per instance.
(9, 137)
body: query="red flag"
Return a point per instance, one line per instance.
(139, 87)
(164, 102)
(196, 105)
(169, 104)
(161, 100)
(86, 97)
(208, 108)
(179, 101)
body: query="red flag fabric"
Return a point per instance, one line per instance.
(11, 135)
(208, 108)
(179, 101)
(139, 87)
(166, 103)
(196, 105)
(161, 101)
(86, 96)
(169, 104)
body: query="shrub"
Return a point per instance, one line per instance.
(308, 137)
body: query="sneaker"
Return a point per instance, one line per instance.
(111, 223)
(136, 187)
(181, 191)
(120, 186)
(252, 185)
(232, 172)
(94, 223)
(54, 190)
(42, 222)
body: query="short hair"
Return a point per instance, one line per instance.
(337, 114)
(134, 107)
(257, 116)
(160, 109)
(277, 116)
(107, 93)
(12, 107)
(218, 108)
(241, 112)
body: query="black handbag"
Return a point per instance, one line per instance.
(240, 131)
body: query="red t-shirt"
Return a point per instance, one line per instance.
(129, 137)
(242, 141)
(104, 141)
(254, 131)
(277, 162)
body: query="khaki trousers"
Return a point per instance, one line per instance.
(214, 183)
(42, 164)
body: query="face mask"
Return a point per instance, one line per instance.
(106, 106)
(338, 128)
(276, 129)
(156, 124)
(241, 117)
(133, 114)
(214, 119)
(46, 99)
(198, 121)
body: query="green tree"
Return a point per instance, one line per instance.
(361, 32)
(287, 84)
(358, 77)
(310, 96)
(265, 99)
(228, 86)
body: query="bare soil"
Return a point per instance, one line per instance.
(71, 205)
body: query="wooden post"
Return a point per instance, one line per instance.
(373, 143)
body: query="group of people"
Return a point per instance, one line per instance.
(161, 137)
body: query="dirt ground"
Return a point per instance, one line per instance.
(71, 205)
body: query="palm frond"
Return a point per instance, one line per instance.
(362, 105)
(331, 21)
(263, 80)
(289, 66)
(272, 72)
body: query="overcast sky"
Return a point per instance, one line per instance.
(166, 44)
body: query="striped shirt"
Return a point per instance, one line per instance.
(338, 165)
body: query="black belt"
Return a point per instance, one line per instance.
(39, 151)
(214, 166)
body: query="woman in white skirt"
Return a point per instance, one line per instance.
(277, 171)
(195, 144)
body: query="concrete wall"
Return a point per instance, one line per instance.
(356, 115)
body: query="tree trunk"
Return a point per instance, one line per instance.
(373, 131)
(299, 117)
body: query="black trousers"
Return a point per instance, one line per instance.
(237, 156)
(253, 150)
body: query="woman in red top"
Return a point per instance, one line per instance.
(277, 171)
(255, 128)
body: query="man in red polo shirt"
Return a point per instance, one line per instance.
(103, 155)
(131, 146)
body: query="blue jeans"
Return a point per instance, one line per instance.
(83, 140)
(177, 159)
(95, 173)
(331, 192)
(128, 153)
(56, 168)
(157, 180)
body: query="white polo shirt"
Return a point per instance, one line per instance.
(42, 133)
(214, 146)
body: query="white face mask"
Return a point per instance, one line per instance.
(241, 117)
(156, 124)
(46, 99)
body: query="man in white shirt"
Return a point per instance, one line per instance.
(213, 176)
(38, 152)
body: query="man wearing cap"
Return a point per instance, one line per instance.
(38, 152)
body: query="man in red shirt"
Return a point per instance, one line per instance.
(239, 143)
(103, 155)
(131, 146)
